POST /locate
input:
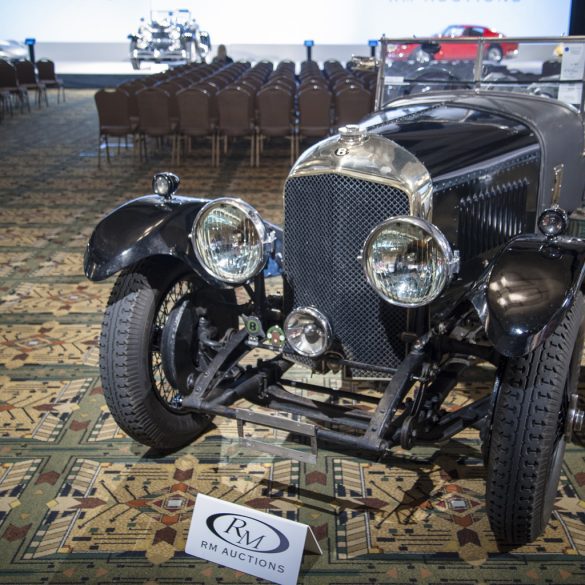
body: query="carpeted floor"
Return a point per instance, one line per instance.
(81, 503)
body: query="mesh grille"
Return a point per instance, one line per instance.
(327, 219)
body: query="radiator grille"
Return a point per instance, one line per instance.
(491, 217)
(327, 219)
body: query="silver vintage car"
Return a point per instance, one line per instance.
(169, 35)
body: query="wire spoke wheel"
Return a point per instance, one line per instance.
(138, 394)
(170, 397)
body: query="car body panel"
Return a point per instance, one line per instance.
(462, 128)
(143, 227)
(152, 226)
(527, 290)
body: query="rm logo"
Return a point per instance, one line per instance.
(247, 533)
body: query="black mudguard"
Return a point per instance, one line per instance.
(527, 289)
(153, 226)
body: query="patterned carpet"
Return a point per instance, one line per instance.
(81, 503)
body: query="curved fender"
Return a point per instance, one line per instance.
(527, 289)
(143, 227)
(151, 226)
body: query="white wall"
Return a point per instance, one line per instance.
(275, 22)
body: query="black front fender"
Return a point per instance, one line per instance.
(154, 226)
(143, 227)
(527, 289)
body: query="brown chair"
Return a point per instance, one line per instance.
(309, 68)
(5, 103)
(195, 119)
(172, 88)
(332, 66)
(318, 79)
(342, 82)
(46, 70)
(113, 108)
(286, 66)
(9, 85)
(235, 107)
(251, 85)
(275, 118)
(352, 104)
(338, 76)
(154, 118)
(314, 112)
(181, 81)
(209, 85)
(132, 88)
(288, 82)
(27, 78)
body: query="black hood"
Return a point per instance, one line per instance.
(451, 132)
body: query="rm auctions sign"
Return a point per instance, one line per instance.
(254, 542)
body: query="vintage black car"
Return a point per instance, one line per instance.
(171, 35)
(427, 240)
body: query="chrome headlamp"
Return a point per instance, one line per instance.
(408, 261)
(308, 331)
(230, 240)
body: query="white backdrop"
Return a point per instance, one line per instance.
(275, 22)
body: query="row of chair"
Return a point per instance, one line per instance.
(257, 103)
(19, 77)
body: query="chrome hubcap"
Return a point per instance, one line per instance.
(575, 418)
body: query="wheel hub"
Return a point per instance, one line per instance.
(575, 418)
(179, 344)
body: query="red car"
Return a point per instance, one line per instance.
(424, 52)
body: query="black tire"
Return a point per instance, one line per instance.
(526, 442)
(494, 53)
(135, 388)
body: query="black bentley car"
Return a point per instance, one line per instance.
(169, 35)
(430, 239)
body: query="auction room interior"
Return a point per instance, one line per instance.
(262, 384)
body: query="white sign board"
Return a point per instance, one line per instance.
(572, 69)
(573, 62)
(244, 539)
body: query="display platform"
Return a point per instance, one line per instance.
(95, 74)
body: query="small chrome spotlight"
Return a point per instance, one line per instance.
(553, 222)
(308, 331)
(165, 184)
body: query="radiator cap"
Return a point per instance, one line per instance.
(352, 134)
